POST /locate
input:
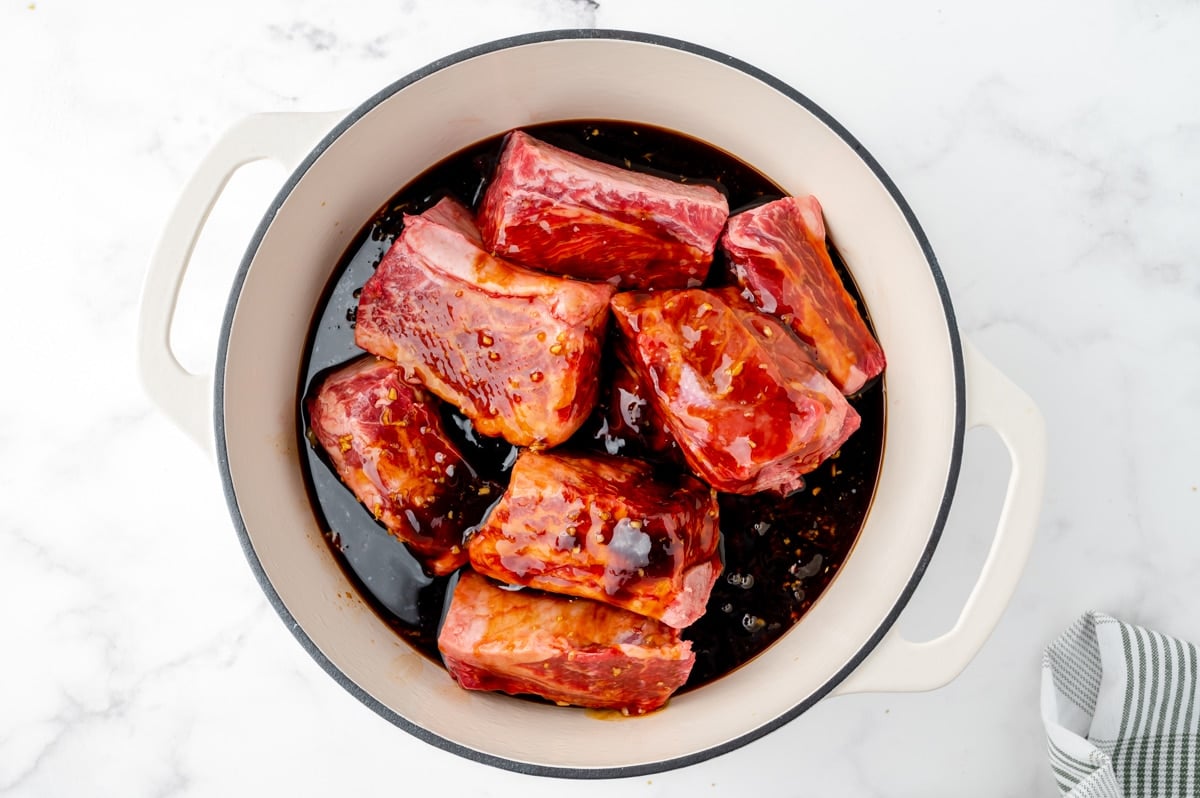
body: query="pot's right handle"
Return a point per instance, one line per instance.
(184, 397)
(900, 665)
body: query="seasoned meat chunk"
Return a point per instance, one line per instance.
(738, 392)
(516, 351)
(386, 442)
(561, 212)
(778, 252)
(605, 528)
(571, 651)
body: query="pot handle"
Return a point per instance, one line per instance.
(186, 398)
(900, 665)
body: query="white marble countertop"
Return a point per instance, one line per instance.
(1051, 151)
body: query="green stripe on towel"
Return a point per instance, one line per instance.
(1138, 689)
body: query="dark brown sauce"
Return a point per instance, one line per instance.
(779, 554)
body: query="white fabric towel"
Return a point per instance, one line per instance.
(1119, 705)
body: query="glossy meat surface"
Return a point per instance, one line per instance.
(605, 528)
(571, 651)
(561, 212)
(386, 442)
(739, 393)
(778, 252)
(517, 351)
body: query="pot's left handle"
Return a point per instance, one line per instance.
(183, 396)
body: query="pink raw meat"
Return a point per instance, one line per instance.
(571, 651)
(737, 391)
(517, 351)
(560, 212)
(778, 252)
(386, 442)
(605, 528)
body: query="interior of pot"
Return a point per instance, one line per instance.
(418, 122)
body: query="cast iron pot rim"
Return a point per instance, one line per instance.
(527, 767)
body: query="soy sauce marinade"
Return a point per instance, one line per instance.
(779, 553)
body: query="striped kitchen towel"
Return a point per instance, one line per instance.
(1119, 705)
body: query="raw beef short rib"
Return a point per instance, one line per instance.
(570, 651)
(517, 351)
(739, 393)
(386, 442)
(604, 528)
(778, 252)
(560, 212)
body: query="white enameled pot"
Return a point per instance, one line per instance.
(349, 165)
